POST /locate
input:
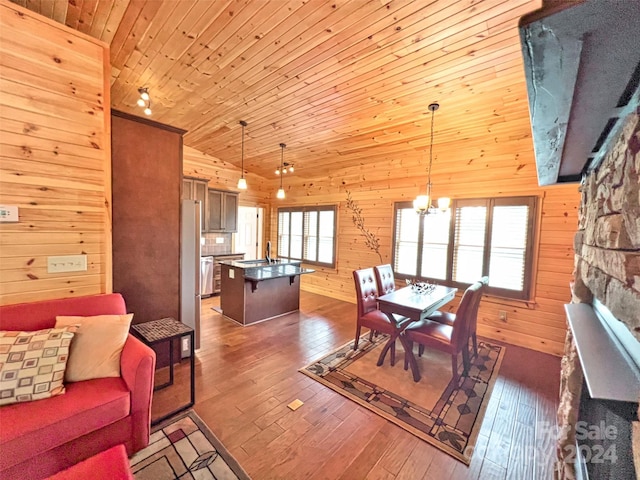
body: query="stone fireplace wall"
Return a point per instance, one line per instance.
(607, 265)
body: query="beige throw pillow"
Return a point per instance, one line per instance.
(32, 364)
(96, 348)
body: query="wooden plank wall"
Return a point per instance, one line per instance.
(467, 169)
(54, 157)
(223, 175)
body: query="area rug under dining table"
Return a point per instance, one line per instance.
(445, 414)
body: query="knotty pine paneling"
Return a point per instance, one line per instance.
(538, 324)
(341, 83)
(223, 175)
(55, 160)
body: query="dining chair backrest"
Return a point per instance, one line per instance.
(484, 281)
(366, 290)
(385, 279)
(465, 312)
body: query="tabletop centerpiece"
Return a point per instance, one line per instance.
(420, 287)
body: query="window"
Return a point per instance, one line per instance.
(489, 236)
(308, 234)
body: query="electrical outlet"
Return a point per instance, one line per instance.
(502, 315)
(185, 344)
(67, 263)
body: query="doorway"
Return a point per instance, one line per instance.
(249, 236)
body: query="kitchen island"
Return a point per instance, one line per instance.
(257, 290)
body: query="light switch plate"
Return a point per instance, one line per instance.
(8, 213)
(67, 263)
(232, 273)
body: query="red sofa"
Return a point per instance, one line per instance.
(40, 438)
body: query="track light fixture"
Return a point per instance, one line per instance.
(145, 100)
(284, 168)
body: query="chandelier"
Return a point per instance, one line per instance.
(423, 204)
(242, 182)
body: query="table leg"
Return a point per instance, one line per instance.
(412, 359)
(386, 348)
(171, 362)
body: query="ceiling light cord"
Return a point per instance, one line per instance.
(281, 193)
(242, 182)
(433, 107)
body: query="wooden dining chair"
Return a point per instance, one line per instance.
(449, 318)
(452, 339)
(368, 314)
(385, 279)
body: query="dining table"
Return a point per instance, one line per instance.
(410, 303)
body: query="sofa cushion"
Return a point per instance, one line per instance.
(32, 364)
(97, 345)
(29, 429)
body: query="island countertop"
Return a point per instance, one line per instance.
(258, 270)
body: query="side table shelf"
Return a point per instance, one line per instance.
(167, 330)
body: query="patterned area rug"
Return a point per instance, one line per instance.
(445, 414)
(184, 448)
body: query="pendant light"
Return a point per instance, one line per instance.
(280, 193)
(242, 183)
(423, 203)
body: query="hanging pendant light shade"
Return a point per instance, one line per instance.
(423, 203)
(280, 193)
(242, 183)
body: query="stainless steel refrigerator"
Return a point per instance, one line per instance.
(190, 271)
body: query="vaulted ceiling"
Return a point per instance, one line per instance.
(341, 82)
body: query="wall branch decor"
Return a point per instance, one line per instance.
(370, 239)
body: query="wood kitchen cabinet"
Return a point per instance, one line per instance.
(196, 189)
(222, 211)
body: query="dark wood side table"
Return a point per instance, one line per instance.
(167, 330)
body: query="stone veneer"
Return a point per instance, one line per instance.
(607, 266)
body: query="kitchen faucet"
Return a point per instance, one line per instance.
(268, 251)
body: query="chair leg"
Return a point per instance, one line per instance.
(420, 349)
(475, 343)
(393, 353)
(465, 360)
(454, 366)
(355, 343)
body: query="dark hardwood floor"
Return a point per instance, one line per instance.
(246, 376)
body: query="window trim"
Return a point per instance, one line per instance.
(303, 210)
(527, 292)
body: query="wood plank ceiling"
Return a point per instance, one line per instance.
(341, 82)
